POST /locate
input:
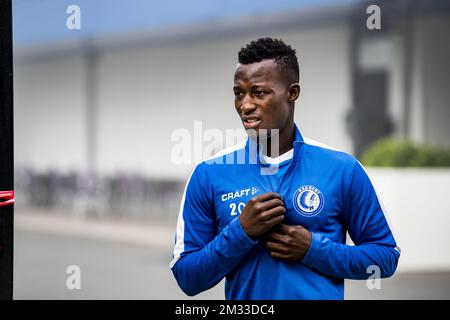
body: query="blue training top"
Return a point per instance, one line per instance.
(324, 190)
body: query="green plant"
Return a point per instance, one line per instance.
(390, 152)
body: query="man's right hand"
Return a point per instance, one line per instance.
(262, 213)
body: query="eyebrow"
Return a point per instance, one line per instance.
(260, 84)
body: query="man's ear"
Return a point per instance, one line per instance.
(294, 92)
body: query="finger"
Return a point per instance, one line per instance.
(269, 204)
(276, 229)
(277, 247)
(283, 228)
(267, 196)
(274, 212)
(274, 221)
(277, 237)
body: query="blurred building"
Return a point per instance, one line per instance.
(104, 100)
(108, 96)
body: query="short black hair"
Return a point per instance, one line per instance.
(268, 48)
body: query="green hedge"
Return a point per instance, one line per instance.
(391, 152)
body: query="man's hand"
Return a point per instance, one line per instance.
(261, 214)
(289, 243)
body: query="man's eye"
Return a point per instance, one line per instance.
(259, 92)
(238, 94)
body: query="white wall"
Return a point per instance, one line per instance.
(49, 113)
(145, 94)
(416, 201)
(325, 99)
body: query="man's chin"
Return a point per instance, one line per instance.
(255, 132)
(261, 133)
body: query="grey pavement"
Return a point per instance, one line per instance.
(109, 270)
(123, 269)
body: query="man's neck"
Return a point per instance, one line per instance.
(285, 142)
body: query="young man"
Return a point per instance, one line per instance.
(279, 235)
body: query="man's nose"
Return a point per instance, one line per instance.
(247, 105)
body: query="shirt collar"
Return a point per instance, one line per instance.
(298, 139)
(298, 136)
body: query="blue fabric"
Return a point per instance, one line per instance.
(211, 244)
(281, 168)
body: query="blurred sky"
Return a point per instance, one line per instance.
(44, 21)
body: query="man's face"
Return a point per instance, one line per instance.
(261, 94)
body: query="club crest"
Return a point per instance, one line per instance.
(308, 200)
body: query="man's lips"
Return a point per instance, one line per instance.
(251, 122)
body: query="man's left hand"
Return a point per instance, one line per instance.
(288, 242)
